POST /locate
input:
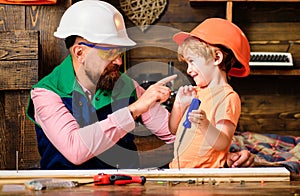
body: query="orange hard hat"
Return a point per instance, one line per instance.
(218, 31)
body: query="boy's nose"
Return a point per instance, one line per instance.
(189, 69)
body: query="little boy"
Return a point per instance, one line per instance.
(213, 51)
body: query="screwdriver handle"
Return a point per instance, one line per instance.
(117, 179)
(126, 179)
(194, 106)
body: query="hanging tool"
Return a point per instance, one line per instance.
(187, 124)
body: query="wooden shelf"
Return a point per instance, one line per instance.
(245, 0)
(229, 4)
(281, 72)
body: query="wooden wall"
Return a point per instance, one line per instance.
(28, 51)
(269, 96)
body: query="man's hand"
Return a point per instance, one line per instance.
(242, 158)
(156, 93)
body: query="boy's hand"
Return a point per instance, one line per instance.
(184, 96)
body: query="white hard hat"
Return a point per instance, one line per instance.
(95, 21)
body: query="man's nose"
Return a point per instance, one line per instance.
(118, 60)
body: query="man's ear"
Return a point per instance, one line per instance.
(219, 57)
(78, 53)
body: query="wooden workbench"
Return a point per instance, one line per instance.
(225, 181)
(291, 188)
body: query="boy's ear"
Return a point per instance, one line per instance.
(219, 57)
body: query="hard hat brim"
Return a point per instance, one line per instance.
(112, 40)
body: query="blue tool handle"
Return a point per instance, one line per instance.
(194, 106)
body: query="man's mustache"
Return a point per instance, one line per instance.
(108, 78)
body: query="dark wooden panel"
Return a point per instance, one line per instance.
(19, 132)
(19, 45)
(267, 85)
(270, 114)
(18, 59)
(245, 0)
(31, 29)
(12, 17)
(17, 75)
(261, 12)
(182, 11)
(3, 137)
(45, 19)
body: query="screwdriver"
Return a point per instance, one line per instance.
(118, 179)
(187, 124)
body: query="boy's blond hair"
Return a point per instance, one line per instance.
(208, 52)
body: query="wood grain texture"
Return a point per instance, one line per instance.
(19, 45)
(45, 19)
(18, 59)
(3, 137)
(28, 52)
(270, 114)
(12, 17)
(19, 132)
(18, 75)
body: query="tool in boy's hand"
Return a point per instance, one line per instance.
(118, 179)
(187, 124)
(100, 179)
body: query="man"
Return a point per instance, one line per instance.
(85, 109)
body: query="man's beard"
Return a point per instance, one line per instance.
(108, 78)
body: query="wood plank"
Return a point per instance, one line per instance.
(21, 129)
(199, 175)
(12, 17)
(280, 72)
(270, 113)
(229, 10)
(3, 138)
(248, 13)
(18, 75)
(45, 19)
(19, 45)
